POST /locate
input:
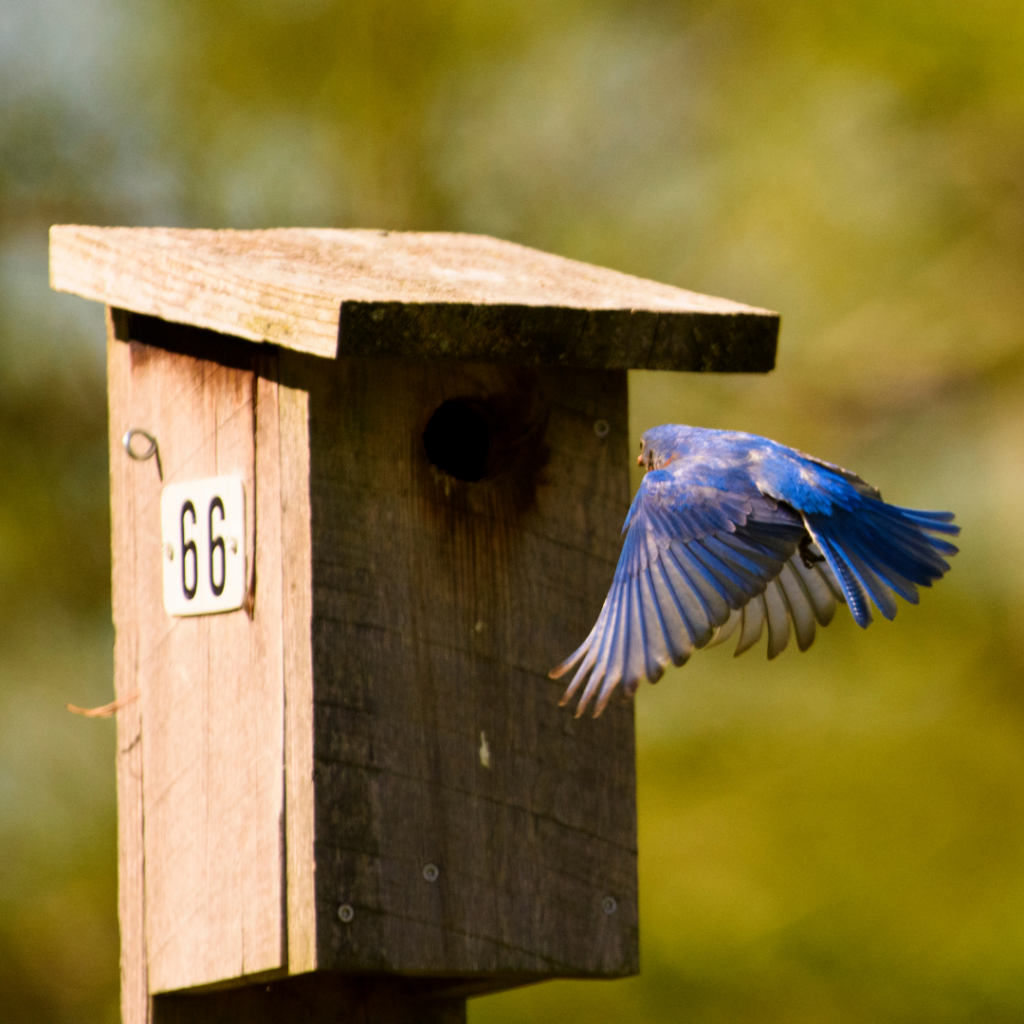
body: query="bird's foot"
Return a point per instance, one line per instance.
(807, 556)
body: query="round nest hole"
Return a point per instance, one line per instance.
(458, 440)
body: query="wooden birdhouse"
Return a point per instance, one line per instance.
(385, 484)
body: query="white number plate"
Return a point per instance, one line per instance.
(202, 525)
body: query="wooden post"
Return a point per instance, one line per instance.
(355, 797)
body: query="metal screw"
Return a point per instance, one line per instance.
(234, 545)
(602, 428)
(609, 905)
(346, 913)
(169, 551)
(430, 872)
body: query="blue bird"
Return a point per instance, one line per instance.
(733, 531)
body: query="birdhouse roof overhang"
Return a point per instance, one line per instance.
(419, 295)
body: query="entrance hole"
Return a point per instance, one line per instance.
(458, 440)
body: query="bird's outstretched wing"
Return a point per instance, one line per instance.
(698, 562)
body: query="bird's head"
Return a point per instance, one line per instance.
(657, 447)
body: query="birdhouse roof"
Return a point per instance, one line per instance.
(420, 295)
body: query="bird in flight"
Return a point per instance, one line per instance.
(731, 531)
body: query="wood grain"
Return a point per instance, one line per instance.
(130, 860)
(406, 294)
(297, 547)
(438, 607)
(211, 687)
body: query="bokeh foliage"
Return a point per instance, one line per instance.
(833, 836)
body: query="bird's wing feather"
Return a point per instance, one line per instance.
(754, 616)
(860, 485)
(799, 604)
(693, 557)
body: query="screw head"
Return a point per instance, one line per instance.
(602, 428)
(168, 551)
(430, 872)
(346, 913)
(609, 905)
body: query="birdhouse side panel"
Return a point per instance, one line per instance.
(130, 879)
(464, 822)
(211, 690)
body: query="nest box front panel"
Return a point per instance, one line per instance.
(210, 686)
(465, 525)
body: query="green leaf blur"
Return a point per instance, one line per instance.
(834, 836)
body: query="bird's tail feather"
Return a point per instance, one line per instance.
(877, 550)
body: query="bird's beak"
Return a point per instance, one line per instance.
(640, 459)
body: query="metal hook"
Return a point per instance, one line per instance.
(152, 449)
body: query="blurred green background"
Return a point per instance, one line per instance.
(835, 836)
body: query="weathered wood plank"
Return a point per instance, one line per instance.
(406, 294)
(438, 607)
(260, 707)
(211, 687)
(297, 584)
(130, 864)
